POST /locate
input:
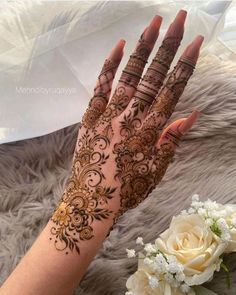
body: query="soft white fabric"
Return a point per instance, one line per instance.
(51, 53)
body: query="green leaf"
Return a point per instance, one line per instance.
(216, 229)
(228, 280)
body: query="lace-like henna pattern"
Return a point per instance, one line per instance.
(140, 165)
(84, 199)
(134, 68)
(130, 77)
(153, 79)
(119, 102)
(162, 108)
(156, 73)
(102, 91)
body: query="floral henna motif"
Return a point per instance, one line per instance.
(119, 102)
(84, 199)
(140, 167)
(129, 156)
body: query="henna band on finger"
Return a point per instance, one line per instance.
(98, 102)
(134, 68)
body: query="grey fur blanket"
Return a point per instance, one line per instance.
(33, 173)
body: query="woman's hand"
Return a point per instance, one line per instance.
(122, 152)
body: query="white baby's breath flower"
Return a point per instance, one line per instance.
(139, 241)
(147, 261)
(214, 214)
(184, 212)
(233, 222)
(153, 282)
(211, 205)
(180, 277)
(202, 212)
(222, 224)
(223, 213)
(184, 288)
(129, 293)
(130, 253)
(174, 266)
(172, 259)
(196, 205)
(230, 209)
(160, 264)
(169, 278)
(195, 198)
(209, 222)
(150, 248)
(191, 210)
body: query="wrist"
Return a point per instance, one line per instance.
(81, 216)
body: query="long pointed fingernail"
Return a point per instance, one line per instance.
(186, 125)
(192, 51)
(152, 31)
(177, 26)
(117, 51)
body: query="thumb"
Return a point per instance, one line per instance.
(173, 133)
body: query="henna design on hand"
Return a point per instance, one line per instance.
(118, 146)
(84, 198)
(98, 103)
(130, 77)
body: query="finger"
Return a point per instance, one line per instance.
(173, 133)
(133, 70)
(153, 79)
(168, 142)
(102, 91)
(164, 104)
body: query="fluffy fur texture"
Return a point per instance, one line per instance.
(33, 173)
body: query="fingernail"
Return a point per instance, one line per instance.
(177, 26)
(188, 122)
(151, 33)
(193, 49)
(117, 51)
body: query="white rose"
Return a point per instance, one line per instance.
(232, 244)
(194, 245)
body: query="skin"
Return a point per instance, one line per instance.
(122, 152)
